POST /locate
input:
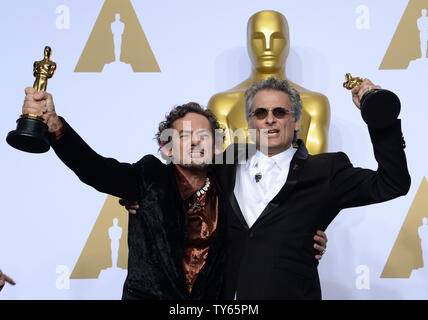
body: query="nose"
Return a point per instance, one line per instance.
(270, 119)
(195, 139)
(268, 42)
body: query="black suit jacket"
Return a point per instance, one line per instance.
(157, 233)
(274, 259)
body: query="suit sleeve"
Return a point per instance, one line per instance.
(352, 187)
(106, 175)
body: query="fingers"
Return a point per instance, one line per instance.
(358, 92)
(355, 96)
(49, 103)
(321, 243)
(366, 86)
(40, 95)
(33, 94)
(131, 211)
(355, 90)
(321, 238)
(130, 206)
(30, 91)
(134, 207)
(125, 203)
(34, 107)
(323, 235)
(3, 279)
(9, 280)
(37, 102)
(319, 247)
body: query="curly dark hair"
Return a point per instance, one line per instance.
(179, 112)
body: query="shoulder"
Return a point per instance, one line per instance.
(325, 165)
(150, 169)
(227, 97)
(238, 153)
(329, 160)
(231, 95)
(314, 100)
(148, 163)
(329, 156)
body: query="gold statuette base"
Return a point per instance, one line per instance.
(31, 135)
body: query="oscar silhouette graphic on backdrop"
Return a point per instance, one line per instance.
(409, 255)
(408, 46)
(117, 29)
(268, 45)
(422, 273)
(423, 235)
(117, 42)
(423, 31)
(115, 233)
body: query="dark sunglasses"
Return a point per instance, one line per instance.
(278, 112)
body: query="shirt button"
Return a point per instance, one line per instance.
(252, 234)
(204, 233)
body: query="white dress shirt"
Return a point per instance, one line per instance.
(252, 196)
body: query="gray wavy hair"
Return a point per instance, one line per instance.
(280, 85)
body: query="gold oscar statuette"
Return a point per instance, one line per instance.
(31, 134)
(379, 107)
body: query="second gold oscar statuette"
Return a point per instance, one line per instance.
(379, 107)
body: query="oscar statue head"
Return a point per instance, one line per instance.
(268, 41)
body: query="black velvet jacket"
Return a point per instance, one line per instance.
(157, 233)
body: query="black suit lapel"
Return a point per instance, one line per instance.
(235, 207)
(228, 178)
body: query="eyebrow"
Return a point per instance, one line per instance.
(203, 130)
(262, 107)
(190, 131)
(184, 131)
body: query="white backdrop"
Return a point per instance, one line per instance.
(47, 214)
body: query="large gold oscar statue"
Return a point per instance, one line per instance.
(268, 47)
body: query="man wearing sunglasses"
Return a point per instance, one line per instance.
(281, 194)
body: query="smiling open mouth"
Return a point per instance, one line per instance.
(197, 154)
(272, 132)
